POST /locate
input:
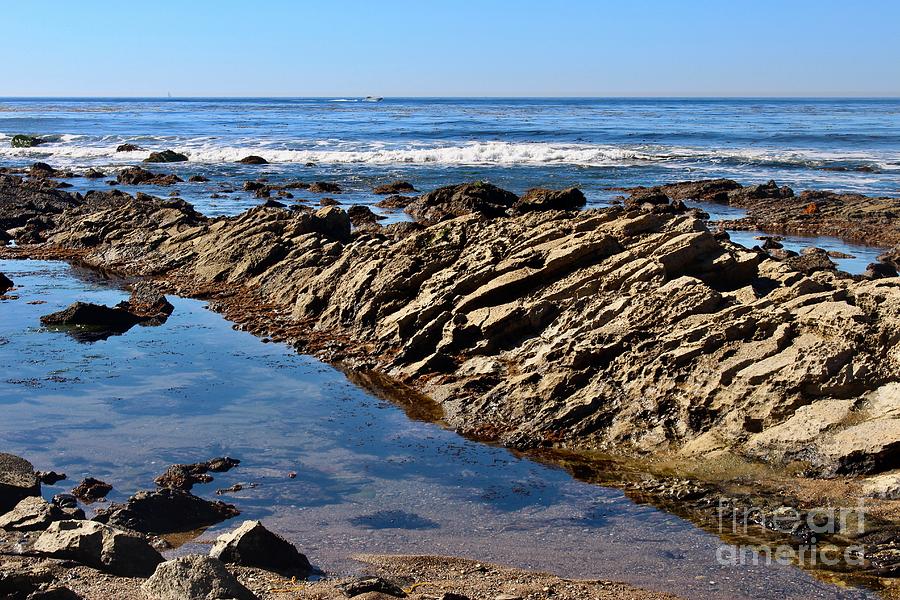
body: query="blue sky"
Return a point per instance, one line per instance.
(451, 48)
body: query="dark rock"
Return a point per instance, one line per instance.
(194, 577)
(17, 481)
(223, 464)
(127, 148)
(91, 490)
(458, 200)
(166, 511)
(395, 202)
(812, 260)
(770, 243)
(360, 214)
(324, 187)
(6, 284)
(166, 156)
(647, 196)
(274, 204)
(255, 186)
(41, 169)
(397, 187)
(333, 222)
(879, 270)
(56, 593)
(252, 545)
(51, 477)
(139, 176)
(147, 303)
(99, 546)
(328, 202)
(184, 476)
(253, 160)
(26, 141)
(31, 514)
(544, 199)
(94, 174)
(91, 322)
(198, 179)
(367, 584)
(65, 501)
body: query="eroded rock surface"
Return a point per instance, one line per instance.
(253, 545)
(196, 578)
(100, 546)
(17, 481)
(632, 329)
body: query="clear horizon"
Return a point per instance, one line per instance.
(466, 49)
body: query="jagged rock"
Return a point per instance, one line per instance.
(99, 546)
(50, 477)
(328, 202)
(360, 215)
(876, 270)
(324, 187)
(395, 202)
(6, 284)
(397, 187)
(183, 477)
(17, 481)
(26, 141)
(139, 176)
(94, 174)
(198, 179)
(194, 577)
(31, 514)
(885, 486)
(41, 169)
(91, 490)
(368, 584)
(544, 199)
(252, 545)
(166, 511)
(128, 148)
(812, 260)
(459, 200)
(166, 156)
(91, 322)
(253, 160)
(147, 304)
(333, 222)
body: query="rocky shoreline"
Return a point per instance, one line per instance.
(633, 330)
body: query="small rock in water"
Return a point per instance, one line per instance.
(6, 284)
(252, 545)
(194, 577)
(26, 141)
(128, 148)
(397, 187)
(198, 179)
(253, 160)
(94, 174)
(325, 187)
(166, 511)
(51, 477)
(166, 156)
(91, 490)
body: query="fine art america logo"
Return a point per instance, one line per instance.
(810, 529)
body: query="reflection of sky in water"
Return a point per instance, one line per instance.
(368, 479)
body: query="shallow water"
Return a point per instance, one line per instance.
(369, 479)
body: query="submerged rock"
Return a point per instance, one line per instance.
(397, 187)
(253, 160)
(166, 511)
(26, 141)
(99, 546)
(166, 156)
(194, 577)
(252, 545)
(17, 481)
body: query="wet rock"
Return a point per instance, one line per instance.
(253, 160)
(328, 202)
(369, 584)
(147, 303)
(139, 176)
(94, 174)
(274, 204)
(166, 511)
(360, 215)
(41, 169)
(544, 199)
(252, 545)
(458, 200)
(198, 179)
(17, 481)
(65, 500)
(324, 187)
(26, 141)
(99, 546)
(51, 477)
(166, 156)
(194, 577)
(91, 322)
(91, 490)
(184, 476)
(395, 202)
(6, 284)
(31, 514)
(397, 187)
(128, 148)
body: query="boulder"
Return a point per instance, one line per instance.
(31, 514)
(397, 187)
(877, 270)
(544, 199)
(166, 156)
(324, 187)
(139, 176)
(91, 490)
(194, 577)
(51, 477)
(166, 511)
(252, 545)
(26, 141)
(128, 148)
(17, 481)
(395, 202)
(41, 169)
(333, 222)
(328, 202)
(6, 284)
(198, 179)
(88, 322)
(147, 303)
(99, 546)
(458, 200)
(253, 160)
(360, 215)
(94, 174)
(812, 260)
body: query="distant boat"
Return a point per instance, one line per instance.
(373, 99)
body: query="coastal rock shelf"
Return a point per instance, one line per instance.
(629, 329)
